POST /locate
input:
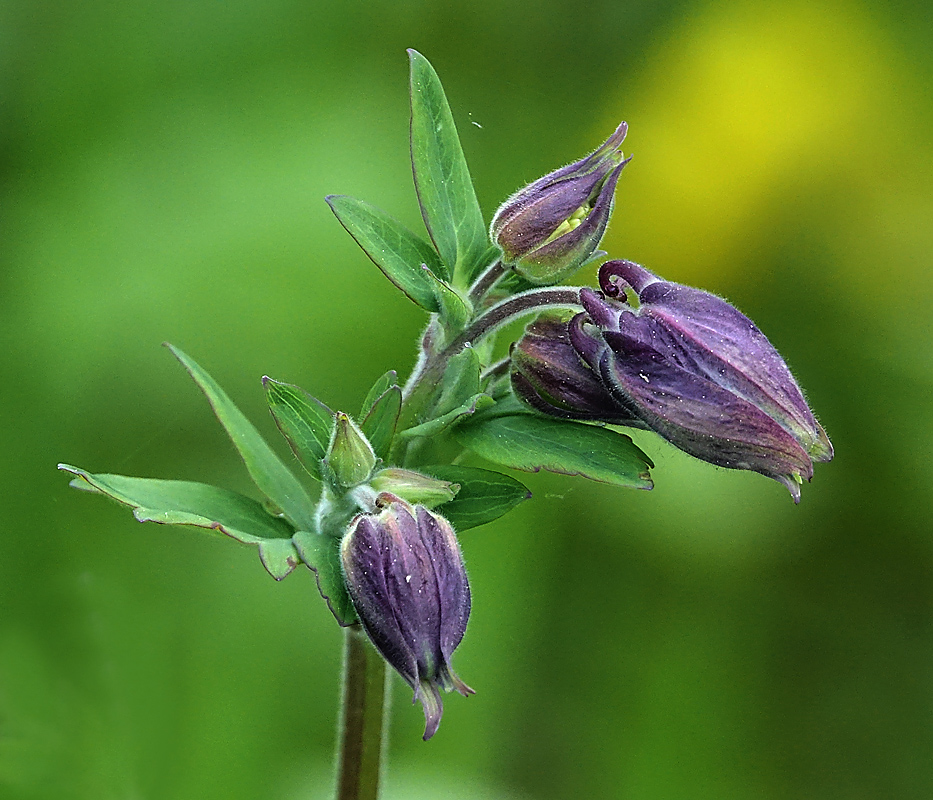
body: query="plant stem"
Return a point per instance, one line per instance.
(430, 370)
(486, 281)
(362, 719)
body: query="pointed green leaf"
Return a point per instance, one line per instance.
(442, 180)
(266, 469)
(484, 495)
(531, 443)
(378, 389)
(460, 382)
(455, 312)
(393, 248)
(199, 505)
(440, 424)
(306, 423)
(322, 554)
(379, 424)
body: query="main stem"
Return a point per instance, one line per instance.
(362, 719)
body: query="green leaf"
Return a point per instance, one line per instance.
(531, 443)
(455, 312)
(461, 381)
(200, 505)
(322, 554)
(442, 180)
(378, 389)
(393, 248)
(266, 469)
(440, 424)
(306, 423)
(484, 495)
(380, 423)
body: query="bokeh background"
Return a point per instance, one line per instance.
(163, 169)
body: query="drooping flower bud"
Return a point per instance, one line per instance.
(550, 376)
(554, 225)
(405, 576)
(350, 455)
(700, 373)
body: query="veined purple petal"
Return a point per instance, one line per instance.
(590, 230)
(582, 168)
(719, 342)
(700, 417)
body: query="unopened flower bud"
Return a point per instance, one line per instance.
(553, 226)
(405, 576)
(550, 376)
(415, 487)
(700, 373)
(350, 455)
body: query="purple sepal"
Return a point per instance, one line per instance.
(405, 576)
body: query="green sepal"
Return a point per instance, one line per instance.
(440, 424)
(379, 388)
(199, 505)
(306, 423)
(484, 495)
(379, 424)
(322, 554)
(414, 487)
(350, 457)
(532, 443)
(442, 180)
(392, 247)
(269, 473)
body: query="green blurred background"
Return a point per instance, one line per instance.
(163, 169)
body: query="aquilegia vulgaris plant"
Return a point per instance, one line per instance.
(381, 494)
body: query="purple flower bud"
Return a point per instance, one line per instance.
(405, 575)
(554, 225)
(700, 373)
(550, 376)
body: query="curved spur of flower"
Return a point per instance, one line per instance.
(405, 576)
(700, 373)
(553, 226)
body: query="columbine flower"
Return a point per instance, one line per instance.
(698, 372)
(554, 225)
(406, 578)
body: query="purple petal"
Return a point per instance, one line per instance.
(590, 230)
(453, 591)
(725, 346)
(700, 417)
